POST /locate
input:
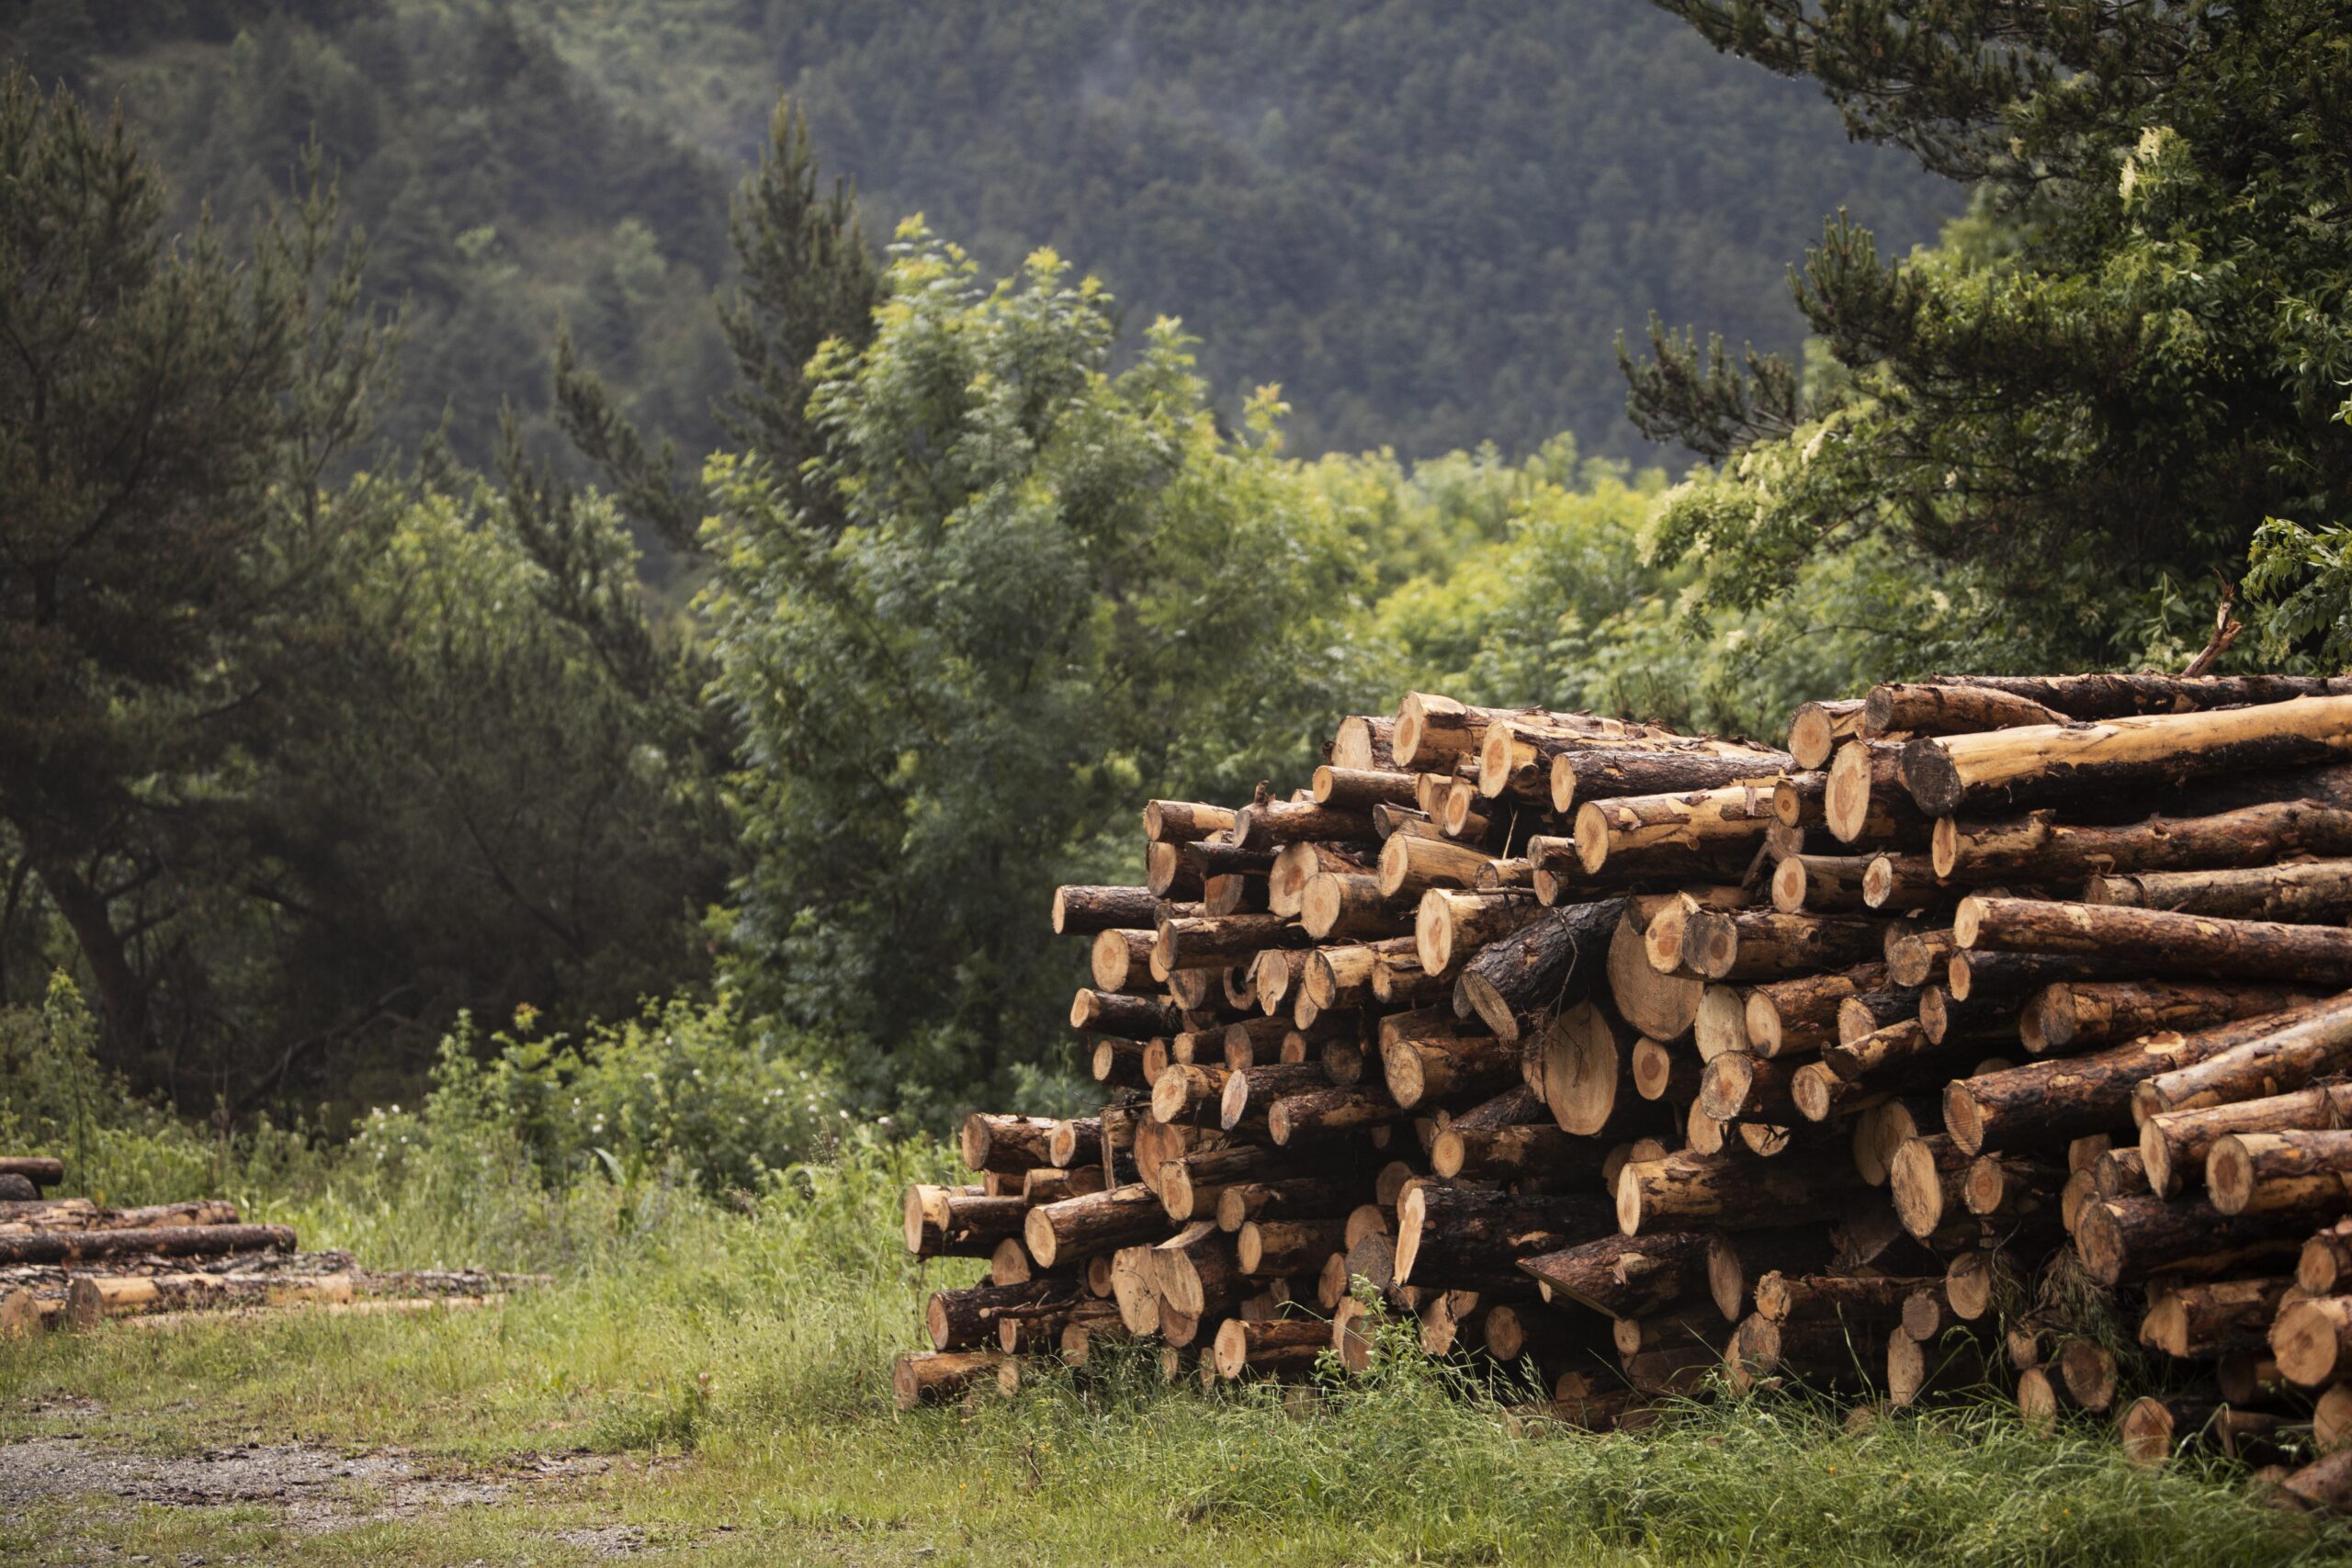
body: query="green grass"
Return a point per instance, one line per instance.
(734, 1359)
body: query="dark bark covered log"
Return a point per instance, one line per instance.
(1736, 1263)
(1128, 1017)
(1081, 911)
(1916, 958)
(1077, 1228)
(1792, 1016)
(1322, 1113)
(1289, 1198)
(1539, 1153)
(1763, 1353)
(25, 1216)
(1552, 962)
(1445, 1233)
(2305, 1174)
(1178, 885)
(931, 1377)
(1271, 1247)
(1948, 708)
(1625, 1276)
(1270, 1347)
(165, 1241)
(1767, 945)
(1006, 1143)
(1593, 775)
(2159, 941)
(1213, 942)
(2311, 891)
(2203, 1321)
(1191, 1185)
(1870, 1011)
(2126, 1239)
(2173, 1144)
(962, 1320)
(2042, 762)
(2119, 696)
(41, 1171)
(2077, 1015)
(1855, 1300)
(2047, 1102)
(1731, 1191)
(2294, 1051)
(2038, 847)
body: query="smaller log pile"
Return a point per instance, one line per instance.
(1894, 1061)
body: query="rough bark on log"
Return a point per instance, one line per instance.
(1269, 1347)
(1449, 927)
(1129, 1018)
(2124, 1239)
(1939, 709)
(1360, 789)
(2311, 1340)
(2203, 1321)
(1732, 1193)
(2039, 846)
(1077, 1228)
(1625, 1276)
(1213, 942)
(1271, 824)
(2291, 1055)
(1640, 832)
(164, 1241)
(1082, 910)
(1005, 1144)
(2305, 893)
(1817, 728)
(960, 1320)
(2307, 1174)
(2173, 1144)
(1182, 821)
(2158, 941)
(931, 1377)
(1552, 962)
(1799, 1014)
(1326, 1112)
(1581, 776)
(2076, 1015)
(1759, 945)
(1445, 1233)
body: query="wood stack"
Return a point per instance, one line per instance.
(1647, 1055)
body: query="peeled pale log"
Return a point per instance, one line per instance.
(1445, 1233)
(2049, 762)
(2173, 1144)
(931, 1377)
(1360, 789)
(1336, 907)
(2159, 940)
(2286, 1057)
(1864, 802)
(1647, 831)
(1792, 1016)
(1077, 1228)
(1624, 1276)
(1129, 1018)
(2324, 1266)
(2203, 1321)
(1421, 1070)
(1662, 1007)
(1326, 1112)
(2039, 846)
(2124, 1239)
(1936, 708)
(1734, 1192)
(1586, 1073)
(1270, 824)
(1449, 927)
(1927, 1179)
(2308, 1174)
(1660, 1072)
(2079, 1014)
(1746, 1089)
(1181, 821)
(1082, 910)
(2047, 1102)
(2313, 1340)
(960, 1320)
(1552, 962)
(1596, 773)
(1270, 1347)
(1767, 945)
(165, 1241)
(1916, 1368)
(2309, 891)
(1213, 942)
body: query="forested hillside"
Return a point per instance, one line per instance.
(1426, 224)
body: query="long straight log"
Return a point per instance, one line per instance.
(2076, 1015)
(81, 1215)
(1941, 708)
(1626, 1277)
(2308, 1174)
(1767, 945)
(1004, 1144)
(2164, 943)
(931, 1377)
(1594, 775)
(1077, 1228)
(1270, 824)
(2047, 1102)
(1730, 1192)
(1864, 801)
(2126, 1239)
(2105, 696)
(960, 1320)
(1080, 911)
(1643, 831)
(2040, 846)
(2311, 891)
(2203, 1321)
(1128, 1017)
(1360, 789)
(2049, 762)
(2286, 1057)
(1213, 942)
(163, 1241)
(2175, 1144)
(1445, 1233)
(1449, 927)
(1338, 907)
(1798, 1014)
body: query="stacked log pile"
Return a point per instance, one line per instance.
(1896, 1059)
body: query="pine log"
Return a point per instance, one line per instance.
(931, 1377)
(1128, 1017)
(1445, 1232)
(2043, 1400)
(1939, 709)
(161, 1241)
(2173, 1144)
(1080, 911)
(1182, 821)
(2324, 1266)
(1267, 1249)
(1328, 1111)
(1342, 977)
(1338, 907)
(1434, 733)
(23, 1217)
(1270, 824)
(2125, 1239)
(1853, 1299)
(1538, 1154)
(1077, 1228)
(1625, 1276)
(2311, 891)
(1449, 927)
(1767, 945)
(1269, 1347)
(2324, 1485)
(1730, 1192)
(2311, 1339)
(2305, 1174)
(1735, 1264)
(1554, 961)
(1737, 1087)
(2158, 941)
(1586, 1056)
(1298, 864)
(2203, 1321)
(1213, 942)
(1863, 803)
(1290, 1198)
(1590, 775)
(1362, 742)
(1191, 1185)
(960, 1320)
(2049, 1101)
(1421, 1070)
(1916, 958)
(2039, 846)
(1360, 789)
(1177, 884)
(2075, 1015)
(1817, 728)
(1792, 1016)
(41, 1171)
(1662, 1007)
(1660, 1072)
(2120, 696)
(1650, 831)
(2293, 1053)
(1976, 1285)
(1764, 1353)
(1916, 1368)
(1927, 1179)
(1007, 1145)
(1410, 866)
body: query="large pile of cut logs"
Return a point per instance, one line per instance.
(1988, 1014)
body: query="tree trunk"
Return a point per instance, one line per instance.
(1322, 1113)
(1271, 1247)
(2077, 1015)
(1552, 963)
(2307, 1174)
(2059, 761)
(1446, 1233)
(1581, 776)
(1538, 1153)
(1764, 945)
(1790, 1017)
(1341, 788)
(164, 1241)
(933, 1377)
(959, 1222)
(2313, 1340)
(1450, 926)
(1666, 831)
(2040, 847)
(2173, 1144)
(2204, 1321)
(1128, 1017)
(2127, 1239)
(1006, 1144)
(2297, 1048)
(2158, 941)
(2313, 892)
(1271, 1347)
(1941, 708)
(960, 1320)
(1081, 911)
(1077, 1228)
(1338, 907)
(1815, 729)
(1732, 1191)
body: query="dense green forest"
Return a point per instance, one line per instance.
(1426, 226)
(333, 717)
